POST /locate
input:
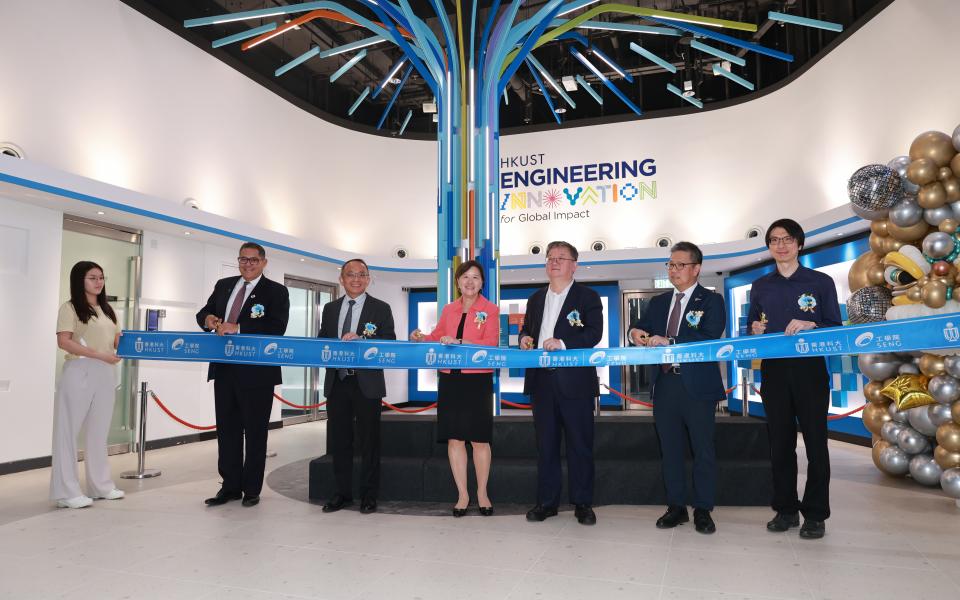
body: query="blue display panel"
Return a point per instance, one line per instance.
(422, 313)
(846, 392)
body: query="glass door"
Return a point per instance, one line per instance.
(303, 386)
(635, 378)
(117, 250)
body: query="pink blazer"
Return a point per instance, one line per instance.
(485, 334)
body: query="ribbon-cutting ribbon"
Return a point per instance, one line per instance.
(907, 335)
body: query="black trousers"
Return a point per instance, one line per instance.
(797, 391)
(677, 414)
(243, 414)
(553, 413)
(346, 404)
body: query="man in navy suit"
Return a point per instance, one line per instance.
(243, 394)
(564, 315)
(685, 395)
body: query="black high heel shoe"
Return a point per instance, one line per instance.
(459, 512)
(486, 511)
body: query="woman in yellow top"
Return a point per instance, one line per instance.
(88, 332)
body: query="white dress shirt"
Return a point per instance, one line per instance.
(552, 304)
(246, 295)
(355, 316)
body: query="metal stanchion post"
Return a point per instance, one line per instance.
(596, 406)
(142, 472)
(745, 401)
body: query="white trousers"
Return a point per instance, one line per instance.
(85, 398)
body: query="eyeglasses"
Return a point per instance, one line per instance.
(356, 275)
(677, 266)
(558, 259)
(785, 240)
(243, 260)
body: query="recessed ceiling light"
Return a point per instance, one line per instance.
(302, 259)
(186, 233)
(100, 212)
(560, 110)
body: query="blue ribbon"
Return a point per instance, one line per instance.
(907, 335)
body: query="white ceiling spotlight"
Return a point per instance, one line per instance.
(569, 83)
(429, 107)
(688, 88)
(560, 110)
(191, 203)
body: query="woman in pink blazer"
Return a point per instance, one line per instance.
(465, 397)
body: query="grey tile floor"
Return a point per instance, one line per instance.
(887, 539)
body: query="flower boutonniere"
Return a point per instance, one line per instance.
(257, 311)
(480, 319)
(574, 318)
(369, 330)
(693, 318)
(807, 302)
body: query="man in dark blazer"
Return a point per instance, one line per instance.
(685, 396)
(355, 394)
(564, 315)
(243, 394)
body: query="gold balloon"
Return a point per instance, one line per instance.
(945, 458)
(878, 447)
(876, 244)
(910, 233)
(922, 171)
(871, 392)
(875, 275)
(908, 391)
(952, 188)
(955, 412)
(931, 365)
(915, 293)
(932, 195)
(949, 225)
(934, 145)
(934, 294)
(891, 245)
(948, 436)
(874, 416)
(955, 165)
(857, 276)
(879, 227)
(944, 173)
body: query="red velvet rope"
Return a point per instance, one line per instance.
(408, 411)
(178, 419)
(515, 405)
(829, 417)
(292, 405)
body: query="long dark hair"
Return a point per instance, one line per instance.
(78, 294)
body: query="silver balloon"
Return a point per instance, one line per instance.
(920, 420)
(950, 482)
(909, 369)
(956, 210)
(900, 416)
(937, 413)
(906, 212)
(873, 189)
(944, 389)
(891, 429)
(952, 365)
(878, 366)
(900, 164)
(925, 470)
(956, 141)
(911, 442)
(938, 244)
(894, 461)
(935, 215)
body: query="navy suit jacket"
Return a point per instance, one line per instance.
(371, 381)
(701, 380)
(275, 300)
(576, 381)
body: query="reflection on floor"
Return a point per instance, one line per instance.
(887, 539)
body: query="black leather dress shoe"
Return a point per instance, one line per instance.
(812, 530)
(486, 511)
(459, 512)
(541, 512)
(673, 517)
(336, 503)
(585, 514)
(249, 500)
(222, 497)
(783, 522)
(368, 505)
(703, 521)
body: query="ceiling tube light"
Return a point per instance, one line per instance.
(252, 14)
(546, 94)
(629, 28)
(406, 121)
(575, 6)
(356, 104)
(383, 82)
(244, 35)
(393, 99)
(718, 70)
(553, 82)
(691, 99)
(365, 42)
(588, 64)
(737, 60)
(606, 82)
(315, 51)
(613, 65)
(795, 20)
(593, 94)
(347, 65)
(506, 98)
(652, 57)
(730, 40)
